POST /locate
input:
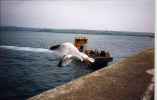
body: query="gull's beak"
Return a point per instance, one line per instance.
(55, 47)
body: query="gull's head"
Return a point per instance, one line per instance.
(55, 47)
(63, 45)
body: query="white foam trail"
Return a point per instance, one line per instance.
(29, 49)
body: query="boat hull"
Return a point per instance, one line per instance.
(100, 62)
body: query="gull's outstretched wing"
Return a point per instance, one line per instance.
(68, 52)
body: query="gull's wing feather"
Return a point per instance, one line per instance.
(86, 57)
(68, 59)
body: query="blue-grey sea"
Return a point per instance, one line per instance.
(27, 68)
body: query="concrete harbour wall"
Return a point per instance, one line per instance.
(125, 80)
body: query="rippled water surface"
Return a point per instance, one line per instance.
(28, 68)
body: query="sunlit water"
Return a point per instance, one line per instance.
(27, 67)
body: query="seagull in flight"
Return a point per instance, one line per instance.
(68, 52)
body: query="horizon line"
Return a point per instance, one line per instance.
(75, 29)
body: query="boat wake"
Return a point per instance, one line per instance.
(29, 49)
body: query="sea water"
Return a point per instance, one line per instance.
(28, 68)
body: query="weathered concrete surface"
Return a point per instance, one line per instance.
(125, 80)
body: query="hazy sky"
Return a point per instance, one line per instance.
(124, 15)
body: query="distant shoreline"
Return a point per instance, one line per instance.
(78, 31)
